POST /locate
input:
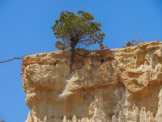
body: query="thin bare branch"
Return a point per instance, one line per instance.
(22, 57)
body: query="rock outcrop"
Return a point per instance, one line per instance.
(118, 85)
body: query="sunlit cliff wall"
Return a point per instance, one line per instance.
(118, 85)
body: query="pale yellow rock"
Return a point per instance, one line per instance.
(159, 112)
(118, 85)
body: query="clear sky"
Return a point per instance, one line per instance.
(25, 29)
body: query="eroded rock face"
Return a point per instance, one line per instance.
(119, 85)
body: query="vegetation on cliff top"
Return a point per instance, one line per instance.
(76, 29)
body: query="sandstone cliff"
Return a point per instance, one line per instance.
(118, 85)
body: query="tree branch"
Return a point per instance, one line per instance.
(22, 57)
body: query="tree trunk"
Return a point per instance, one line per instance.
(72, 56)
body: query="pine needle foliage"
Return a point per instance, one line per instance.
(72, 29)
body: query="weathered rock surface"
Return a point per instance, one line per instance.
(118, 85)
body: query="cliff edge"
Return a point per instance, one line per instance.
(117, 85)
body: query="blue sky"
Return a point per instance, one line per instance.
(25, 29)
